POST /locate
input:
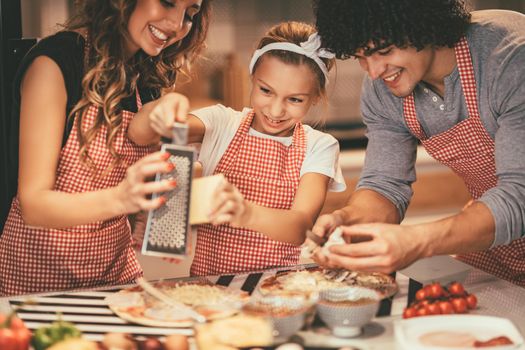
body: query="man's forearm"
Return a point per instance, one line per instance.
(469, 231)
(366, 206)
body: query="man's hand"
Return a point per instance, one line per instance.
(375, 247)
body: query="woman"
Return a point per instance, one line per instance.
(79, 174)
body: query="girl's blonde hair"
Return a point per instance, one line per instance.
(110, 76)
(295, 33)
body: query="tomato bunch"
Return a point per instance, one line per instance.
(14, 335)
(435, 299)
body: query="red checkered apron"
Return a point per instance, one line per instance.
(468, 150)
(40, 259)
(267, 173)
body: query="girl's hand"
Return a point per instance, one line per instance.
(326, 224)
(170, 108)
(228, 206)
(132, 192)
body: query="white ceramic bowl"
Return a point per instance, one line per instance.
(287, 314)
(346, 310)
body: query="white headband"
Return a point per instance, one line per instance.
(310, 48)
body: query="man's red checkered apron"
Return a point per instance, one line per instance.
(267, 173)
(39, 259)
(468, 150)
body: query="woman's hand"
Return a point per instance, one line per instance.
(132, 192)
(229, 206)
(170, 108)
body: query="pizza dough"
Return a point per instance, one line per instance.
(134, 305)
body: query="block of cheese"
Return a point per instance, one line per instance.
(202, 191)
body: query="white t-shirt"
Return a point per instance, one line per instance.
(322, 150)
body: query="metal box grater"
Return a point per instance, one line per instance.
(168, 227)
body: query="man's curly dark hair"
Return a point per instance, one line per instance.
(346, 26)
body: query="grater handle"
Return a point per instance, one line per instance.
(180, 134)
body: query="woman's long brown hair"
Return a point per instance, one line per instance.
(110, 76)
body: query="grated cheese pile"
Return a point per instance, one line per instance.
(195, 294)
(308, 281)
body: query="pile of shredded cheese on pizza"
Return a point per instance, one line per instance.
(307, 281)
(195, 294)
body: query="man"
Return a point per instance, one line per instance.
(455, 81)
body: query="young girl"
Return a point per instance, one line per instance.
(278, 169)
(79, 175)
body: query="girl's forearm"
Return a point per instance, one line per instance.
(140, 131)
(288, 226)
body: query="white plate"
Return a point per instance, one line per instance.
(440, 268)
(408, 332)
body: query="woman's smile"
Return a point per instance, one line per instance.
(159, 37)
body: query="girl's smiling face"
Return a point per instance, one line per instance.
(157, 24)
(281, 95)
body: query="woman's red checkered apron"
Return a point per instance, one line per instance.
(468, 149)
(40, 259)
(267, 173)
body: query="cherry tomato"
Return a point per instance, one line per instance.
(456, 288)
(424, 302)
(409, 312)
(14, 335)
(421, 294)
(472, 301)
(446, 307)
(459, 305)
(434, 309)
(423, 311)
(436, 291)
(428, 289)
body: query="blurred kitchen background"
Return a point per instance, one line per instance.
(222, 77)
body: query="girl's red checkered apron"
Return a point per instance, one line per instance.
(468, 149)
(267, 173)
(39, 259)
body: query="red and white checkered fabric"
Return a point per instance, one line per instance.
(100, 253)
(469, 151)
(266, 172)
